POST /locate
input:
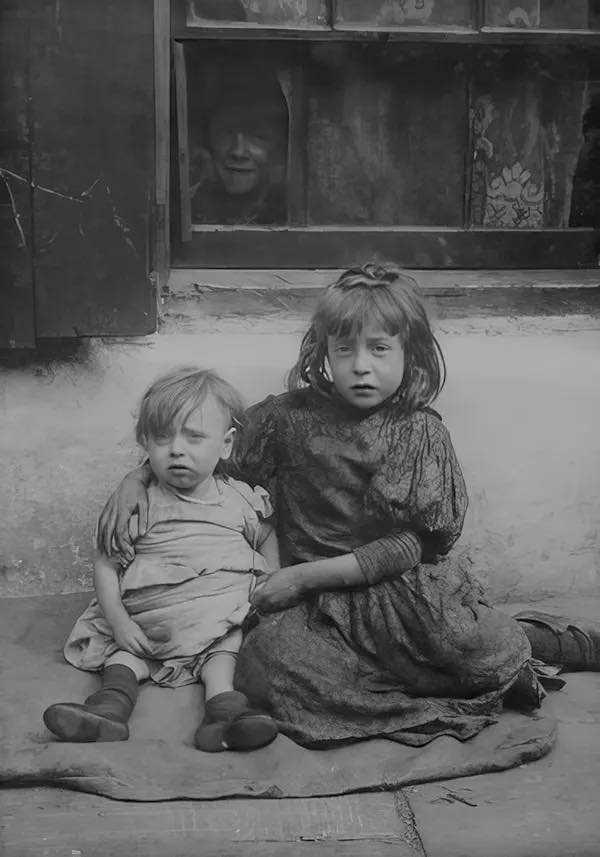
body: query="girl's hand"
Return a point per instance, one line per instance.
(279, 590)
(114, 536)
(130, 637)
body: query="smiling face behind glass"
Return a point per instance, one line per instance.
(248, 146)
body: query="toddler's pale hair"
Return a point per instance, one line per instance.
(177, 393)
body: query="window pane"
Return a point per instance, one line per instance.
(585, 194)
(532, 164)
(404, 13)
(387, 130)
(238, 133)
(265, 13)
(547, 14)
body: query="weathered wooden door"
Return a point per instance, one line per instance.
(17, 325)
(85, 123)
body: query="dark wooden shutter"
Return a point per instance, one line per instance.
(92, 145)
(17, 326)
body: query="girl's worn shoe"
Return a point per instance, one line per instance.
(103, 716)
(230, 724)
(572, 644)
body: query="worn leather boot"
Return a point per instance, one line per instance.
(572, 644)
(103, 716)
(230, 724)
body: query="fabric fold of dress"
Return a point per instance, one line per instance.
(413, 657)
(192, 576)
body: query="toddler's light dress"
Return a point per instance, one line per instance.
(192, 575)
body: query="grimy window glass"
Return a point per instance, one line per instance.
(352, 134)
(543, 14)
(238, 124)
(265, 13)
(387, 130)
(404, 13)
(535, 141)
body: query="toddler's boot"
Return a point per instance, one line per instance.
(230, 724)
(103, 716)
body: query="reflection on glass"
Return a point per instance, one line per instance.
(404, 13)
(545, 14)
(266, 13)
(238, 143)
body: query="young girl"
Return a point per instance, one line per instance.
(173, 614)
(371, 628)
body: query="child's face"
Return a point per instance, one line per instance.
(367, 369)
(246, 149)
(185, 458)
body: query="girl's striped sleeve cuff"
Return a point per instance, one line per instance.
(389, 556)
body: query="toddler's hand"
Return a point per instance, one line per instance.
(277, 591)
(130, 637)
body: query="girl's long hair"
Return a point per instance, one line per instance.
(385, 297)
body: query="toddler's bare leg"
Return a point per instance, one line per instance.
(219, 665)
(138, 666)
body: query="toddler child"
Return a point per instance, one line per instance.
(173, 614)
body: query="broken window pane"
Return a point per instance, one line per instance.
(404, 13)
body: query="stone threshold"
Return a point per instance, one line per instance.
(184, 280)
(197, 296)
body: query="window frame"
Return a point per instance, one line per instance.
(298, 245)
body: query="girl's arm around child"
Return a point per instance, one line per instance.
(379, 560)
(267, 545)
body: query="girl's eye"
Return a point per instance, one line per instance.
(161, 438)
(380, 349)
(342, 349)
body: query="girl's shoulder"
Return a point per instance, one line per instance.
(427, 426)
(429, 419)
(282, 404)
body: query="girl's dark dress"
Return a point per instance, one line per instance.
(412, 657)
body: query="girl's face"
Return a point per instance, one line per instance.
(184, 458)
(368, 368)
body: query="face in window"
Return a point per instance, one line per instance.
(248, 147)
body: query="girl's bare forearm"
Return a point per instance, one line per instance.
(380, 560)
(337, 572)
